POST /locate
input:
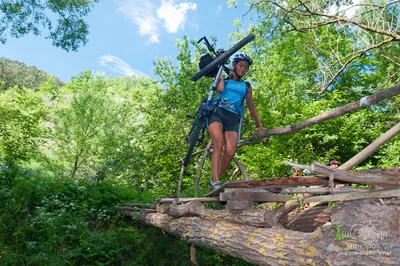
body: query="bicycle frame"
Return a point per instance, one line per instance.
(206, 107)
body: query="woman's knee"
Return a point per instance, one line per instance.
(218, 145)
(230, 152)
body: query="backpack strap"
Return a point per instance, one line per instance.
(243, 109)
(247, 91)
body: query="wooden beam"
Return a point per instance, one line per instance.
(376, 194)
(288, 181)
(298, 165)
(184, 200)
(382, 173)
(322, 190)
(253, 196)
(349, 177)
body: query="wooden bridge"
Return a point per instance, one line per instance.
(287, 221)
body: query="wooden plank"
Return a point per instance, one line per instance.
(239, 205)
(276, 182)
(215, 193)
(322, 190)
(288, 181)
(183, 200)
(229, 190)
(253, 196)
(382, 172)
(386, 193)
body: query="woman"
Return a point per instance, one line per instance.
(224, 121)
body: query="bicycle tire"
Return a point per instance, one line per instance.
(193, 139)
(223, 57)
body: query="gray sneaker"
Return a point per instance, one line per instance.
(215, 185)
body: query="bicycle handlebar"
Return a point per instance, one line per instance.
(222, 58)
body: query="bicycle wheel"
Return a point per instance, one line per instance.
(223, 57)
(193, 139)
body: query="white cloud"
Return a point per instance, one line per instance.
(219, 9)
(142, 14)
(149, 17)
(116, 64)
(174, 14)
(348, 11)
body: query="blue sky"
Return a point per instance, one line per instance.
(126, 36)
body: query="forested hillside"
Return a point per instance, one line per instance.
(14, 73)
(70, 151)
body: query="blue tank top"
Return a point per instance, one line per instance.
(234, 93)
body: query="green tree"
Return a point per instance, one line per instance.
(295, 79)
(98, 127)
(18, 18)
(21, 112)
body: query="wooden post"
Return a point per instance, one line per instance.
(370, 149)
(193, 254)
(201, 164)
(180, 180)
(241, 168)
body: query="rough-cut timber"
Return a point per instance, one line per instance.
(289, 181)
(277, 182)
(322, 190)
(337, 174)
(375, 194)
(384, 172)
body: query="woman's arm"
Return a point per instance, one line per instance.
(253, 110)
(221, 84)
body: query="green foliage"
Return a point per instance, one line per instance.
(338, 232)
(20, 114)
(56, 221)
(18, 18)
(14, 73)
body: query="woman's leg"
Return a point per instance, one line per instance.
(231, 142)
(216, 133)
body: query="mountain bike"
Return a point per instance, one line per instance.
(212, 69)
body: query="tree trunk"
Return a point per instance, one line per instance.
(360, 232)
(278, 246)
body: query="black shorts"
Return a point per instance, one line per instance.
(229, 120)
